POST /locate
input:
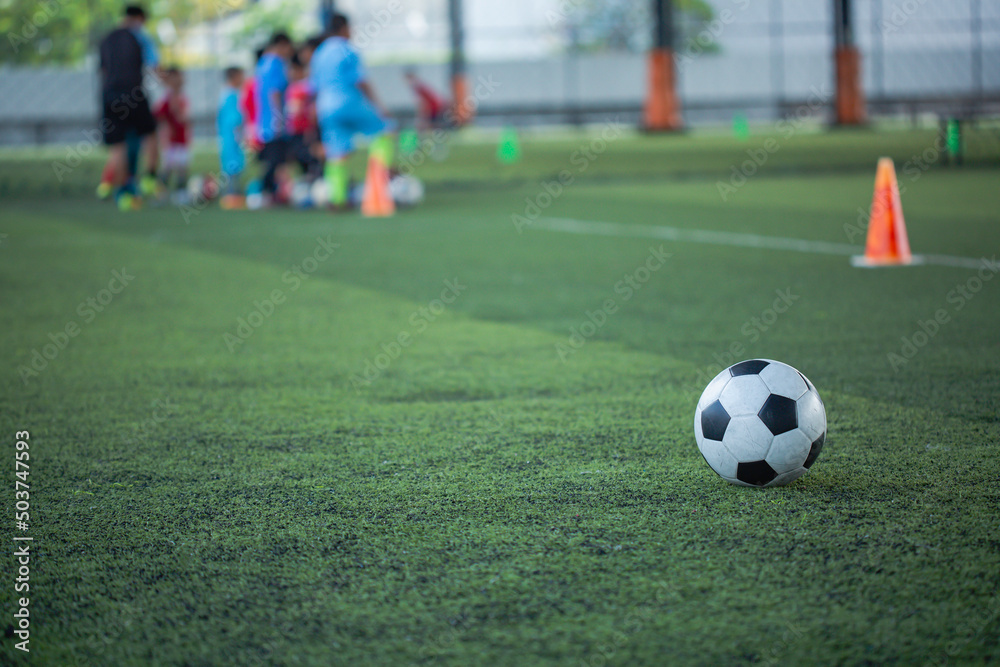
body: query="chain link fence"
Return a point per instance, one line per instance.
(565, 61)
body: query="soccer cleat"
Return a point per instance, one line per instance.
(127, 202)
(104, 191)
(232, 202)
(149, 186)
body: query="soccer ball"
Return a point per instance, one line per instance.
(201, 189)
(320, 193)
(302, 194)
(195, 187)
(210, 187)
(406, 190)
(760, 423)
(255, 201)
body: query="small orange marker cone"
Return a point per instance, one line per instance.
(887, 243)
(377, 200)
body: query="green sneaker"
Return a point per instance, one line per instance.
(128, 202)
(382, 149)
(149, 186)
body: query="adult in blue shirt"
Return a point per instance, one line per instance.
(345, 105)
(150, 54)
(272, 80)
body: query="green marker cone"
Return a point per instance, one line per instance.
(409, 142)
(509, 150)
(741, 127)
(954, 139)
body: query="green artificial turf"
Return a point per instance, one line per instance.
(482, 496)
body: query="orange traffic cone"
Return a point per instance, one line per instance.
(887, 244)
(377, 200)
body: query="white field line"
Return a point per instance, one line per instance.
(571, 226)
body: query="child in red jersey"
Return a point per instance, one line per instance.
(248, 107)
(173, 112)
(431, 107)
(300, 116)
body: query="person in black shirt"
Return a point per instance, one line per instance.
(123, 54)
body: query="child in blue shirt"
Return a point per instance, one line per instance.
(230, 127)
(345, 105)
(272, 80)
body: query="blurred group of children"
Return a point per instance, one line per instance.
(271, 114)
(298, 110)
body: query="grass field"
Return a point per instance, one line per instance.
(303, 489)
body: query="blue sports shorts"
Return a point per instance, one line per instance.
(338, 127)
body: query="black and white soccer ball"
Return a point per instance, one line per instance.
(302, 194)
(320, 192)
(760, 423)
(406, 190)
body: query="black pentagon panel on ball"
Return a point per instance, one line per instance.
(814, 451)
(757, 473)
(714, 420)
(779, 414)
(752, 367)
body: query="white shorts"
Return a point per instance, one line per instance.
(176, 157)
